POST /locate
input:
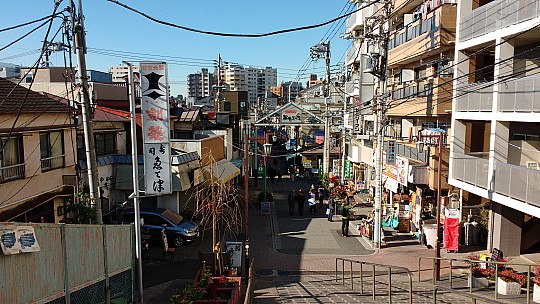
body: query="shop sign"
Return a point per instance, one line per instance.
(155, 127)
(402, 170)
(347, 169)
(391, 152)
(291, 114)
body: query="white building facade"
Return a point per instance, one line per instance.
(495, 138)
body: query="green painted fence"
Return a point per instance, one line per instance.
(76, 264)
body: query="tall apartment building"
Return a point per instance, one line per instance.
(119, 72)
(495, 138)
(256, 81)
(200, 84)
(313, 81)
(287, 91)
(417, 98)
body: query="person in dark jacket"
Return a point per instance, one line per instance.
(330, 210)
(345, 219)
(300, 200)
(291, 200)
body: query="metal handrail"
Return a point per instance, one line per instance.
(471, 262)
(373, 265)
(248, 299)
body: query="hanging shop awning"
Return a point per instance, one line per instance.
(223, 171)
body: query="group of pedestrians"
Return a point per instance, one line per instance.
(313, 197)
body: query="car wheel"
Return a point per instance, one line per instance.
(178, 241)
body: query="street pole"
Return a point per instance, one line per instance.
(343, 142)
(91, 161)
(246, 181)
(438, 216)
(136, 201)
(380, 108)
(218, 94)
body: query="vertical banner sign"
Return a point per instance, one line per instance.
(347, 169)
(391, 153)
(155, 125)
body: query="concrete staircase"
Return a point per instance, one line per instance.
(323, 288)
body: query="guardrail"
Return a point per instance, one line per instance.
(373, 266)
(470, 265)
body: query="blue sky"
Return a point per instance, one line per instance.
(115, 34)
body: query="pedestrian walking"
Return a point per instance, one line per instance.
(330, 210)
(345, 219)
(291, 200)
(279, 176)
(320, 196)
(300, 199)
(292, 172)
(312, 202)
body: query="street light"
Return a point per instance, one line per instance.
(267, 151)
(439, 144)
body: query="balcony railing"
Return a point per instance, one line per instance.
(497, 15)
(520, 95)
(471, 169)
(518, 182)
(355, 21)
(412, 31)
(475, 97)
(9, 173)
(54, 162)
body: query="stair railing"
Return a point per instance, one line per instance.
(373, 267)
(496, 264)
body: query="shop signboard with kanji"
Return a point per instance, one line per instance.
(155, 126)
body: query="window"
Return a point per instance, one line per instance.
(11, 159)
(443, 68)
(153, 220)
(105, 143)
(52, 150)
(227, 106)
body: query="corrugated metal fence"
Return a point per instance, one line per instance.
(76, 264)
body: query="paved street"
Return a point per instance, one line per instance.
(295, 258)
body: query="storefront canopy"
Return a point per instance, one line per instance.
(223, 171)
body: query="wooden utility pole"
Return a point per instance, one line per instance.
(84, 96)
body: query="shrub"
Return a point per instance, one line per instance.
(507, 275)
(536, 278)
(269, 196)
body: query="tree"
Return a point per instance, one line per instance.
(80, 211)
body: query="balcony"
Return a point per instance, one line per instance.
(426, 97)
(10, 173)
(471, 169)
(423, 36)
(497, 15)
(475, 97)
(518, 182)
(355, 22)
(51, 163)
(520, 95)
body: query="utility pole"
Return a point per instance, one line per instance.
(343, 137)
(315, 54)
(84, 100)
(135, 175)
(218, 94)
(379, 69)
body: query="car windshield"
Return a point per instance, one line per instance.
(172, 216)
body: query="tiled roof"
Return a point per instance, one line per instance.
(35, 102)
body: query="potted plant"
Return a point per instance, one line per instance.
(480, 274)
(536, 284)
(507, 284)
(269, 196)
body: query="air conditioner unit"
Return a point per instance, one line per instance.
(372, 63)
(533, 165)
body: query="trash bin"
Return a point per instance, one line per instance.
(430, 234)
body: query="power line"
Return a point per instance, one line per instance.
(30, 22)
(239, 35)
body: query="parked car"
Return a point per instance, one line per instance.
(178, 229)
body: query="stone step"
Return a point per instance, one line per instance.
(316, 288)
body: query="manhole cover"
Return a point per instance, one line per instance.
(264, 272)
